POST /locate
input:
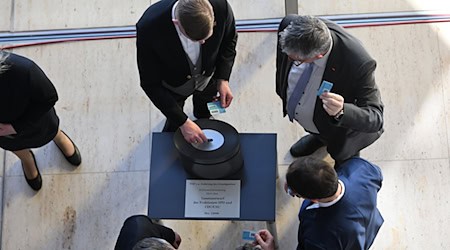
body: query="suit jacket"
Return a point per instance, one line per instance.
(26, 93)
(161, 57)
(139, 227)
(351, 70)
(351, 223)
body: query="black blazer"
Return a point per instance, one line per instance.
(351, 70)
(26, 94)
(161, 56)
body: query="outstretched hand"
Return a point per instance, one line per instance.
(192, 132)
(332, 103)
(225, 93)
(265, 239)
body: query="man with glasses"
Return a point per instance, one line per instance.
(340, 207)
(184, 48)
(313, 52)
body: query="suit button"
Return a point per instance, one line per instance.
(188, 76)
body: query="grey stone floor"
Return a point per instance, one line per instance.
(104, 110)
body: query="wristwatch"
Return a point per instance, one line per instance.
(339, 115)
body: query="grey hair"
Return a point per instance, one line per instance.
(306, 37)
(3, 65)
(152, 243)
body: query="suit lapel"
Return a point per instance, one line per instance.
(332, 68)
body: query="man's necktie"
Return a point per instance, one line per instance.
(298, 90)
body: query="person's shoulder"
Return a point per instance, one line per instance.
(155, 14)
(349, 45)
(358, 166)
(19, 63)
(220, 7)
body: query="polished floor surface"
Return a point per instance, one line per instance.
(104, 110)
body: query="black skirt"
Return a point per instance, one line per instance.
(37, 136)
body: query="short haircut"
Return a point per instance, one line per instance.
(153, 243)
(196, 17)
(3, 65)
(306, 37)
(312, 178)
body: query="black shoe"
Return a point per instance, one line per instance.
(306, 145)
(74, 159)
(36, 182)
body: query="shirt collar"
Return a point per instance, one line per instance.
(330, 203)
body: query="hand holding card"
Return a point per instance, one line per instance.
(324, 87)
(215, 108)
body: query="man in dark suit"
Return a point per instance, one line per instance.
(139, 232)
(340, 207)
(186, 47)
(347, 118)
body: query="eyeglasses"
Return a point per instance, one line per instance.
(292, 193)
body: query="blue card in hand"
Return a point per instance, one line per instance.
(215, 108)
(248, 235)
(325, 87)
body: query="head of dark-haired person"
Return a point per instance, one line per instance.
(196, 18)
(312, 178)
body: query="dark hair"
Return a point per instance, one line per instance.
(306, 37)
(196, 17)
(312, 178)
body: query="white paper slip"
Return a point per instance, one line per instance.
(212, 199)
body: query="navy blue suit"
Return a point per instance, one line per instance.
(352, 222)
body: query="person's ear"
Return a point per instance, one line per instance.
(175, 21)
(319, 56)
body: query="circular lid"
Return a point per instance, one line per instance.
(224, 143)
(215, 141)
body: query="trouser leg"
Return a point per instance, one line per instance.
(201, 98)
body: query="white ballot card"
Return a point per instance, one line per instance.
(212, 199)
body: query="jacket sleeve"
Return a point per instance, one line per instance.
(365, 114)
(227, 51)
(42, 97)
(151, 81)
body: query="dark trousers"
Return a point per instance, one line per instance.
(199, 101)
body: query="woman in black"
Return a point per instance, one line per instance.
(27, 117)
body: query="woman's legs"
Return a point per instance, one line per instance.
(64, 143)
(28, 164)
(68, 148)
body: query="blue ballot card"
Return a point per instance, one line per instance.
(215, 108)
(248, 235)
(325, 87)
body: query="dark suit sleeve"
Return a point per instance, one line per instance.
(227, 51)
(43, 97)
(151, 81)
(366, 113)
(282, 63)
